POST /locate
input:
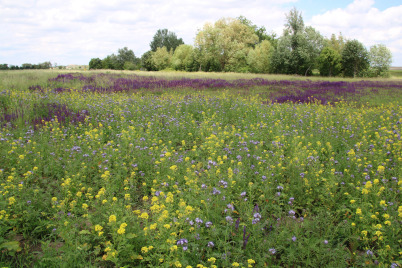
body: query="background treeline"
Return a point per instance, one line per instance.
(237, 45)
(44, 65)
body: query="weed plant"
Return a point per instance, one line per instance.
(199, 176)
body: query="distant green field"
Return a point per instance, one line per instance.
(396, 73)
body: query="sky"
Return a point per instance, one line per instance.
(74, 31)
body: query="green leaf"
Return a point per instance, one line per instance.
(131, 235)
(11, 246)
(84, 232)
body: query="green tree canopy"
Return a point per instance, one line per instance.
(161, 58)
(259, 58)
(182, 58)
(380, 59)
(329, 62)
(355, 58)
(299, 47)
(95, 63)
(261, 31)
(165, 38)
(225, 44)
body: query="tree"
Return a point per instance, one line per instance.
(261, 32)
(110, 62)
(355, 58)
(4, 66)
(225, 45)
(335, 43)
(125, 55)
(329, 62)
(95, 63)
(27, 66)
(299, 47)
(182, 58)
(165, 38)
(146, 61)
(259, 59)
(380, 59)
(161, 58)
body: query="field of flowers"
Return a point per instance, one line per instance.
(123, 170)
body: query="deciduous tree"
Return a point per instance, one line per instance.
(165, 38)
(355, 58)
(226, 43)
(380, 59)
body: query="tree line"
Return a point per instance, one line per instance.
(25, 66)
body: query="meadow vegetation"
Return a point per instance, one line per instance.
(156, 169)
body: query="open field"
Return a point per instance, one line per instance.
(135, 169)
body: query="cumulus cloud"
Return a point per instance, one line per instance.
(362, 21)
(75, 31)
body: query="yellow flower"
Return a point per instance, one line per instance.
(358, 211)
(98, 228)
(121, 231)
(11, 200)
(235, 264)
(383, 203)
(144, 249)
(352, 201)
(212, 259)
(112, 218)
(144, 216)
(364, 233)
(387, 223)
(386, 216)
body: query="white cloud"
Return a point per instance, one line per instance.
(75, 31)
(361, 21)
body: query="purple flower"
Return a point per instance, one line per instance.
(294, 238)
(229, 219)
(291, 212)
(230, 206)
(272, 251)
(208, 224)
(369, 253)
(325, 242)
(29, 202)
(185, 248)
(211, 244)
(182, 241)
(243, 194)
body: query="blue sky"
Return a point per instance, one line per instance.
(74, 31)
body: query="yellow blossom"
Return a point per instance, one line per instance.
(112, 218)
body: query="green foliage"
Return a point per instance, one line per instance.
(355, 59)
(380, 59)
(259, 58)
(335, 43)
(165, 38)
(124, 56)
(261, 31)
(95, 63)
(183, 58)
(161, 58)
(146, 61)
(225, 44)
(329, 62)
(299, 47)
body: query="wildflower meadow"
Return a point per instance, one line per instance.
(121, 169)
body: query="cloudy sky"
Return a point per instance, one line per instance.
(74, 31)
